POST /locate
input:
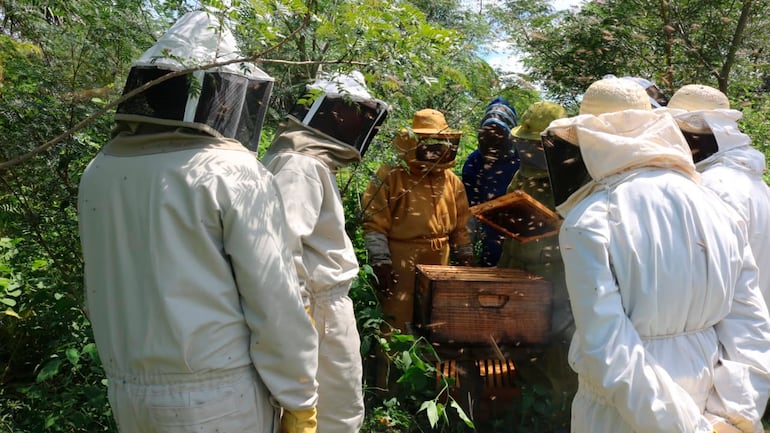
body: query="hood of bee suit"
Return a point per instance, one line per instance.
(426, 123)
(231, 100)
(700, 109)
(621, 137)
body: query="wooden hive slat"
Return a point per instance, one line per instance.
(518, 215)
(475, 305)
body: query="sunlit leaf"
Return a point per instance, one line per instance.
(8, 301)
(73, 356)
(430, 409)
(461, 413)
(39, 264)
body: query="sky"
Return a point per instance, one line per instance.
(499, 55)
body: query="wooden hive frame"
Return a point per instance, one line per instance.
(518, 215)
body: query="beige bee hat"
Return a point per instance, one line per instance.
(613, 94)
(697, 97)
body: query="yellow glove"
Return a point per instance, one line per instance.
(310, 314)
(724, 427)
(299, 421)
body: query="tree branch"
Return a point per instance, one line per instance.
(257, 58)
(740, 28)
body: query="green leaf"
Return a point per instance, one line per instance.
(418, 363)
(431, 410)
(406, 358)
(39, 264)
(10, 312)
(461, 413)
(73, 356)
(49, 370)
(8, 301)
(402, 338)
(90, 350)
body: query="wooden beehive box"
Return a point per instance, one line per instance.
(519, 216)
(478, 306)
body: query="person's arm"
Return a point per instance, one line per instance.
(470, 175)
(376, 225)
(283, 342)
(302, 194)
(607, 351)
(742, 377)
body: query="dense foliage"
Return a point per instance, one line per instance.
(63, 64)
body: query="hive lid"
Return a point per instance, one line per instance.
(471, 273)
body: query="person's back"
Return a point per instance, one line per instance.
(190, 288)
(740, 185)
(158, 225)
(304, 160)
(174, 279)
(678, 257)
(728, 164)
(671, 330)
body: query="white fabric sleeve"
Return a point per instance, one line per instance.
(376, 244)
(284, 343)
(607, 351)
(302, 200)
(742, 379)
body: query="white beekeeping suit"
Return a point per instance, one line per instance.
(330, 128)
(671, 330)
(734, 170)
(192, 295)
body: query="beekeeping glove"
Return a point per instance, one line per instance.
(299, 421)
(386, 278)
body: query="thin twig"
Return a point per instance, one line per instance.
(257, 58)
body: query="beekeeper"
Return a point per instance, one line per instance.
(671, 330)
(330, 128)
(416, 214)
(191, 292)
(728, 164)
(487, 172)
(545, 366)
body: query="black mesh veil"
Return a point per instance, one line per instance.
(352, 121)
(566, 168)
(222, 103)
